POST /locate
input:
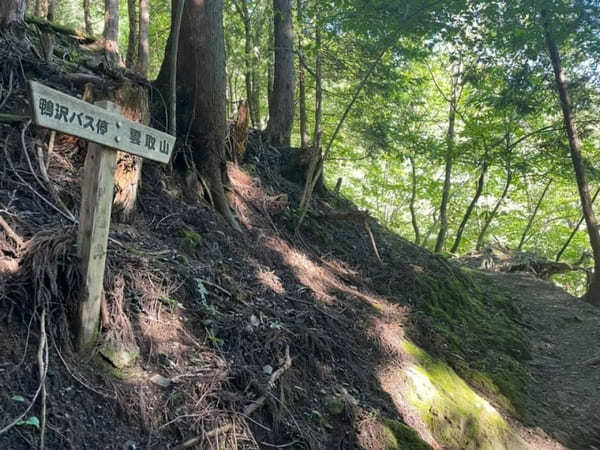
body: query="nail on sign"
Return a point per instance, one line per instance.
(57, 111)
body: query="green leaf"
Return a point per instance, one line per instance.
(18, 398)
(33, 421)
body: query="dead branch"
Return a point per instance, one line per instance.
(9, 91)
(257, 404)
(11, 233)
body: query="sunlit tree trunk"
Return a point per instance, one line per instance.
(492, 215)
(575, 230)
(87, 17)
(470, 208)
(111, 31)
(281, 105)
(533, 216)
(593, 294)
(450, 144)
(144, 46)
(413, 199)
(132, 44)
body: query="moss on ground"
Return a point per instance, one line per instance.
(399, 436)
(456, 415)
(479, 334)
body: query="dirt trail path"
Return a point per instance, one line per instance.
(565, 364)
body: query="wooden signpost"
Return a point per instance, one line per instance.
(107, 131)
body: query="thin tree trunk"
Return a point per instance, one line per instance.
(132, 44)
(144, 45)
(301, 80)
(481, 237)
(532, 217)
(51, 12)
(593, 294)
(413, 199)
(87, 18)
(39, 8)
(281, 107)
(470, 208)
(450, 144)
(575, 230)
(177, 15)
(111, 32)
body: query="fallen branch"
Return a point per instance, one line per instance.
(252, 407)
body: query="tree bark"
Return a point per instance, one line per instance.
(593, 294)
(87, 18)
(201, 92)
(301, 82)
(450, 144)
(111, 32)
(470, 208)
(532, 217)
(575, 230)
(486, 225)
(144, 46)
(132, 43)
(281, 106)
(176, 17)
(12, 12)
(413, 199)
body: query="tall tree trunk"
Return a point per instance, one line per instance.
(281, 106)
(39, 8)
(201, 90)
(413, 199)
(144, 46)
(12, 12)
(532, 217)
(593, 294)
(575, 230)
(111, 32)
(301, 81)
(132, 43)
(450, 144)
(176, 17)
(470, 208)
(486, 225)
(87, 18)
(51, 12)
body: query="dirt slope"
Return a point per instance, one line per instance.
(565, 364)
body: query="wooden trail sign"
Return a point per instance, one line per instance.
(107, 131)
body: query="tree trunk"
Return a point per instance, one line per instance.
(12, 12)
(481, 237)
(301, 82)
(532, 217)
(593, 294)
(281, 106)
(470, 208)
(450, 144)
(413, 199)
(176, 17)
(51, 12)
(144, 46)
(87, 18)
(575, 230)
(111, 32)
(201, 91)
(39, 8)
(132, 44)
(133, 100)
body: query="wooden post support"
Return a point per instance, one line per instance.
(106, 131)
(94, 221)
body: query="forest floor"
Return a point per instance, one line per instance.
(268, 338)
(565, 334)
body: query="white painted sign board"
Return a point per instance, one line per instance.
(57, 111)
(107, 131)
